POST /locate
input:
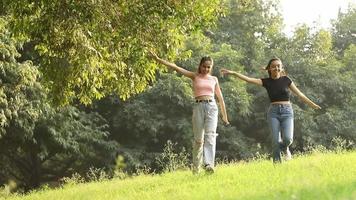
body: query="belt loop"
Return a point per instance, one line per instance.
(204, 101)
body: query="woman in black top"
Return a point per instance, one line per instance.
(280, 113)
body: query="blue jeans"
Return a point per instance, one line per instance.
(280, 119)
(205, 121)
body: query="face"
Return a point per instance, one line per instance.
(276, 67)
(206, 67)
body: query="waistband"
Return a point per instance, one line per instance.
(204, 101)
(280, 105)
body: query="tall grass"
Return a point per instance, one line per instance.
(318, 176)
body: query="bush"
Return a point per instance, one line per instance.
(171, 160)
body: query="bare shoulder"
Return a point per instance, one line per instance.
(215, 78)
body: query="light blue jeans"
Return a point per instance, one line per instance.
(205, 121)
(280, 119)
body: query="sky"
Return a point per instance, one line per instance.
(311, 12)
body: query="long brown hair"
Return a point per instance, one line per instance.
(284, 73)
(202, 60)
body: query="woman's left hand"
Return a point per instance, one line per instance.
(226, 121)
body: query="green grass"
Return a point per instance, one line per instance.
(318, 176)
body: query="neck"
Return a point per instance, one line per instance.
(275, 76)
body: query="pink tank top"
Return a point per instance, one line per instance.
(204, 85)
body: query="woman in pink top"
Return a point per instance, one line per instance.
(205, 111)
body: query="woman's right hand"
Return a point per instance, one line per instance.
(153, 55)
(225, 72)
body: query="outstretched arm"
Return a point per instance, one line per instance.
(173, 66)
(242, 77)
(221, 103)
(305, 99)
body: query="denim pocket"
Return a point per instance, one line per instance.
(213, 103)
(213, 107)
(287, 110)
(272, 111)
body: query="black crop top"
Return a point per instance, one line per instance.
(277, 89)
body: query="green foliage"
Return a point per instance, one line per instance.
(75, 135)
(250, 27)
(90, 49)
(344, 29)
(75, 179)
(96, 174)
(161, 113)
(120, 165)
(171, 159)
(349, 60)
(63, 142)
(39, 143)
(340, 145)
(19, 92)
(232, 144)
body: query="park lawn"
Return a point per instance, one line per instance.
(317, 176)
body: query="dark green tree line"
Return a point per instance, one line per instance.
(39, 143)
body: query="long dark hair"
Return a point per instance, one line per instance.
(203, 59)
(269, 65)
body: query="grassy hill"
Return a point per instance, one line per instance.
(318, 176)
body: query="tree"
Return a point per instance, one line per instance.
(344, 30)
(162, 113)
(250, 27)
(39, 143)
(19, 92)
(90, 49)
